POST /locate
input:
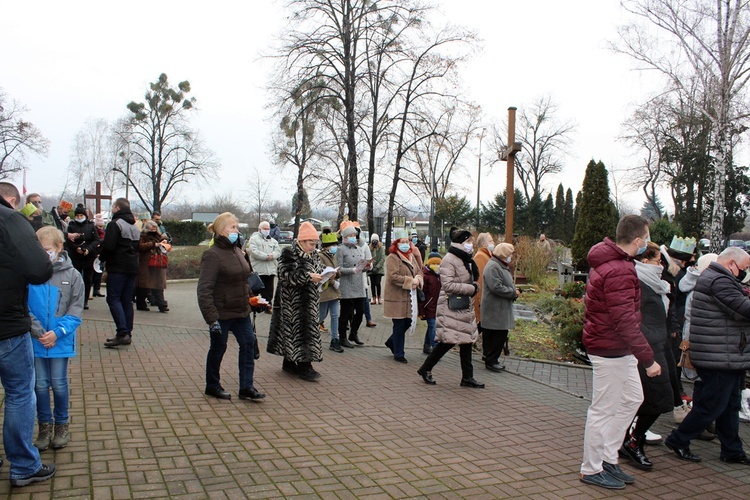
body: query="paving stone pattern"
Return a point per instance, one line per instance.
(369, 428)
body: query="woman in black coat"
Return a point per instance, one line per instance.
(657, 391)
(83, 245)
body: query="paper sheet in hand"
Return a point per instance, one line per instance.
(328, 273)
(362, 264)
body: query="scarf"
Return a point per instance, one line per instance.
(469, 263)
(650, 275)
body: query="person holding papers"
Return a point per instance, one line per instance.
(330, 295)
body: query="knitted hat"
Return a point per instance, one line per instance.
(434, 253)
(459, 235)
(80, 209)
(413, 233)
(400, 233)
(433, 259)
(705, 260)
(374, 238)
(348, 230)
(307, 232)
(503, 250)
(328, 238)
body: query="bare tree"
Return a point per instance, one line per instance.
(706, 42)
(544, 140)
(18, 137)
(257, 192)
(92, 158)
(164, 151)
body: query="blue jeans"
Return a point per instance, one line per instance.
(331, 306)
(429, 336)
(719, 401)
(52, 372)
(398, 337)
(368, 315)
(17, 375)
(120, 288)
(242, 328)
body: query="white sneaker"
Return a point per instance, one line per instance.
(653, 438)
(680, 412)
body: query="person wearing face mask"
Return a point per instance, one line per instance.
(56, 308)
(224, 302)
(352, 286)
(498, 294)
(418, 244)
(294, 333)
(456, 323)
(264, 252)
(120, 252)
(657, 391)
(151, 280)
(378, 268)
(330, 295)
(402, 275)
(719, 320)
(431, 289)
(616, 346)
(82, 244)
(485, 245)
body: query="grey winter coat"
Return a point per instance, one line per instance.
(720, 321)
(687, 285)
(498, 294)
(258, 248)
(352, 283)
(455, 326)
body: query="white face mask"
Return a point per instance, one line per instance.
(491, 247)
(468, 247)
(265, 232)
(52, 255)
(509, 259)
(81, 219)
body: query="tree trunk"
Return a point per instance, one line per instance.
(717, 214)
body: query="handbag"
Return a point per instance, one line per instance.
(685, 361)
(420, 295)
(458, 302)
(255, 283)
(158, 260)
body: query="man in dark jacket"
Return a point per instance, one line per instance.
(22, 261)
(120, 252)
(719, 331)
(615, 345)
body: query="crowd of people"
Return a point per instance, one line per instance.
(652, 312)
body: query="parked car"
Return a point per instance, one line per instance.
(704, 243)
(286, 237)
(736, 243)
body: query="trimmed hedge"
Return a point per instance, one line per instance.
(186, 233)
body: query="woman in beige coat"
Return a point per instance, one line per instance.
(456, 322)
(402, 275)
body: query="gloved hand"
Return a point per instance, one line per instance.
(214, 328)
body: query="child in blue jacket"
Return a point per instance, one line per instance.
(56, 308)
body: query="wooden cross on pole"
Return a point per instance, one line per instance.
(509, 155)
(98, 197)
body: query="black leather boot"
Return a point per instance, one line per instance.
(345, 343)
(632, 448)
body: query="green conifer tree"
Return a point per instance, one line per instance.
(569, 225)
(595, 213)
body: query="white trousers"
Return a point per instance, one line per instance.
(617, 395)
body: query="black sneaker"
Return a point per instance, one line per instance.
(604, 480)
(251, 394)
(46, 472)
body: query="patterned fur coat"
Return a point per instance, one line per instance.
(294, 332)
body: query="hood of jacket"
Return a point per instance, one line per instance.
(125, 214)
(606, 251)
(62, 263)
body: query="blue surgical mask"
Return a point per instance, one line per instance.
(351, 239)
(645, 246)
(404, 247)
(233, 237)
(333, 250)
(414, 239)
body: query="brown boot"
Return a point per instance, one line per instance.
(62, 436)
(45, 436)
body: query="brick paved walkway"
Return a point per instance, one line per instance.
(141, 426)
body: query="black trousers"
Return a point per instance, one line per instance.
(267, 292)
(493, 342)
(467, 370)
(157, 297)
(674, 373)
(352, 311)
(375, 284)
(87, 272)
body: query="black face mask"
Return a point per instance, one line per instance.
(742, 275)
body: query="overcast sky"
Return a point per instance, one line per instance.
(71, 61)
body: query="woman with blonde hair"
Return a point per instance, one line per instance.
(152, 278)
(224, 301)
(485, 245)
(498, 295)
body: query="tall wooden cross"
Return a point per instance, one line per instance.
(98, 197)
(509, 155)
